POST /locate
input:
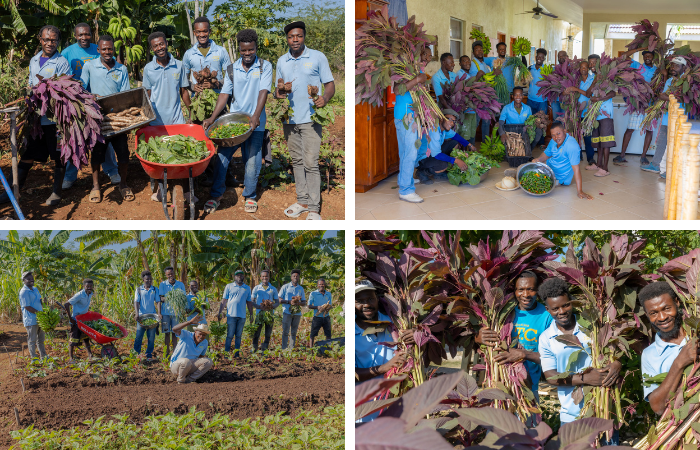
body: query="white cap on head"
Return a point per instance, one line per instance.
(679, 60)
(364, 285)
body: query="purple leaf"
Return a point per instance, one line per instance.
(583, 431)
(388, 433)
(372, 388)
(499, 421)
(569, 339)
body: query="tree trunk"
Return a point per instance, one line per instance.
(189, 23)
(139, 243)
(196, 9)
(231, 52)
(156, 248)
(173, 255)
(183, 254)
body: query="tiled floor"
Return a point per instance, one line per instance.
(627, 193)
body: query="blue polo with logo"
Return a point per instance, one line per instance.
(216, 59)
(246, 87)
(164, 84)
(103, 81)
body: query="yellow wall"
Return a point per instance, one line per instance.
(495, 16)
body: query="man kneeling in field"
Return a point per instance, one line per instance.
(188, 362)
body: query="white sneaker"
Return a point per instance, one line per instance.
(67, 184)
(416, 181)
(115, 179)
(411, 198)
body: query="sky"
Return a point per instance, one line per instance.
(296, 3)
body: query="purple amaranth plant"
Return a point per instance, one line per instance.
(552, 88)
(466, 93)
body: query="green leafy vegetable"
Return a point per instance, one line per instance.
(48, 319)
(203, 105)
(536, 183)
(477, 165)
(230, 130)
(177, 301)
(105, 327)
(177, 149)
(148, 322)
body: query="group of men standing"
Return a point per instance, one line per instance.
(242, 85)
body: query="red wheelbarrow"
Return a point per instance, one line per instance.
(106, 342)
(175, 171)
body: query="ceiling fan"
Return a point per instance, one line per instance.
(537, 12)
(570, 38)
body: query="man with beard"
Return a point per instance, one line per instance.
(671, 350)
(373, 360)
(554, 355)
(557, 111)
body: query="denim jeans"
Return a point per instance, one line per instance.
(109, 167)
(252, 155)
(256, 336)
(557, 112)
(234, 327)
(150, 335)
(291, 321)
(485, 125)
(408, 153)
(590, 151)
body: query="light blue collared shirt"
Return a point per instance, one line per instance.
(657, 359)
(236, 297)
(80, 302)
(216, 59)
(439, 79)
(318, 299)
(310, 68)
(164, 84)
(147, 299)
(563, 158)
(477, 66)
(186, 348)
(511, 116)
(584, 85)
(163, 290)
(533, 91)
(56, 65)
(261, 293)
(247, 87)
(31, 298)
(368, 352)
(287, 292)
(103, 81)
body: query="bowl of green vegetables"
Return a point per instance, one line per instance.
(230, 129)
(148, 321)
(536, 178)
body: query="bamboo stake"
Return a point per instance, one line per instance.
(669, 152)
(22, 381)
(691, 208)
(676, 168)
(682, 147)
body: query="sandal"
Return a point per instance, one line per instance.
(295, 210)
(592, 167)
(251, 206)
(643, 161)
(619, 161)
(211, 205)
(601, 173)
(127, 194)
(95, 196)
(313, 216)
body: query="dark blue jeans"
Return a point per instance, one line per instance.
(485, 125)
(590, 151)
(234, 327)
(252, 155)
(150, 335)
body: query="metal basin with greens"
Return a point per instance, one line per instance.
(226, 119)
(537, 168)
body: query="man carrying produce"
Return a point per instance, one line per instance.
(304, 68)
(30, 303)
(188, 362)
(145, 300)
(235, 299)
(78, 55)
(557, 110)
(169, 319)
(507, 71)
(479, 67)
(444, 75)
(192, 299)
(554, 355)
(292, 299)
(434, 157)
(534, 100)
(80, 303)
(320, 300)
(514, 113)
(105, 76)
(261, 293)
(470, 118)
(248, 80)
(672, 351)
(205, 53)
(46, 64)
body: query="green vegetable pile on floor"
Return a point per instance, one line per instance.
(105, 327)
(177, 301)
(177, 149)
(203, 105)
(536, 183)
(48, 319)
(229, 131)
(477, 165)
(493, 147)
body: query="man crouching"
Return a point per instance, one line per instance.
(188, 362)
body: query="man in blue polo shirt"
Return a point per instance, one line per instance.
(248, 80)
(304, 67)
(188, 362)
(508, 74)
(444, 76)
(434, 157)
(534, 100)
(320, 302)
(47, 63)
(165, 81)
(205, 53)
(80, 304)
(145, 300)
(191, 298)
(235, 299)
(79, 54)
(30, 304)
(261, 292)
(563, 155)
(515, 113)
(292, 299)
(479, 67)
(105, 76)
(672, 351)
(169, 320)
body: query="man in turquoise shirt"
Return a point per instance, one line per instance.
(165, 81)
(508, 74)
(479, 67)
(235, 298)
(145, 300)
(169, 320)
(80, 304)
(304, 67)
(261, 292)
(320, 298)
(515, 113)
(30, 304)
(672, 351)
(290, 317)
(443, 76)
(534, 100)
(205, 53)
(189, 362)
(249, 82)
(79, 54)
(105, 76)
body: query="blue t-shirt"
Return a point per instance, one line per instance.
(403, 105)
(511, 116)
(584, 85)
(248, 86)
(435, 144)
(78, 56)
(664, 120)
(186, 348)
(562, 159)
(477, 66)
(533, 91)
(164, 84)
(644, 70)
(528, 327)
(236, 297)
(80, 302)
(657, 359)
(439, 79)
(163, 290)
(508, 73)
(368, 352)
(147, 299)
(31, 298)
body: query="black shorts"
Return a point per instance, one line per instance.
(121, 149)
(76, 335)
(433, 164)
(44, 147)
(604, 135)
(319, 322)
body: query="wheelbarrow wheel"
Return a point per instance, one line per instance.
(178, 202)
(109, 351)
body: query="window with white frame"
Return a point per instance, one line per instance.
(456, 37)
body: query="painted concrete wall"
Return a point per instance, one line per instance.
(495, 16)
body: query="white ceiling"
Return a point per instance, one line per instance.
(640, 6)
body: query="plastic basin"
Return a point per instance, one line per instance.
(155, 170)
(94, 335)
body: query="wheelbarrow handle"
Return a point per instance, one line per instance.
(11, 195)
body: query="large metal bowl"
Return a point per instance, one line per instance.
(149, 316)
(226, 119)
(538, 167)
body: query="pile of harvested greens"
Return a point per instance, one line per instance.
(466, 93)
(176, 149)
(536, 183)
(552, 89)
(477, 165)
(229, 131)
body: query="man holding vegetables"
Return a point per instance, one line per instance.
(304, 67)
(80, 303)
(205, 53)
(235, 299)
(188, 362)
(169, 319)
(105, 76)
(145, 300)
(671, 352)
(320, 300)
(47, 63)
(261, 292)
(431, 158)
(30, 303)
(292, 299)
(192, 299)
(479, 67)
(248, 80)
(515, 113)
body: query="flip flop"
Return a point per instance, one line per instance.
(601, 173)
(592, 167)
(295, 210)
(95, 196)
(211, 205)
(251, 206)
(127, 194)
(313, 216)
